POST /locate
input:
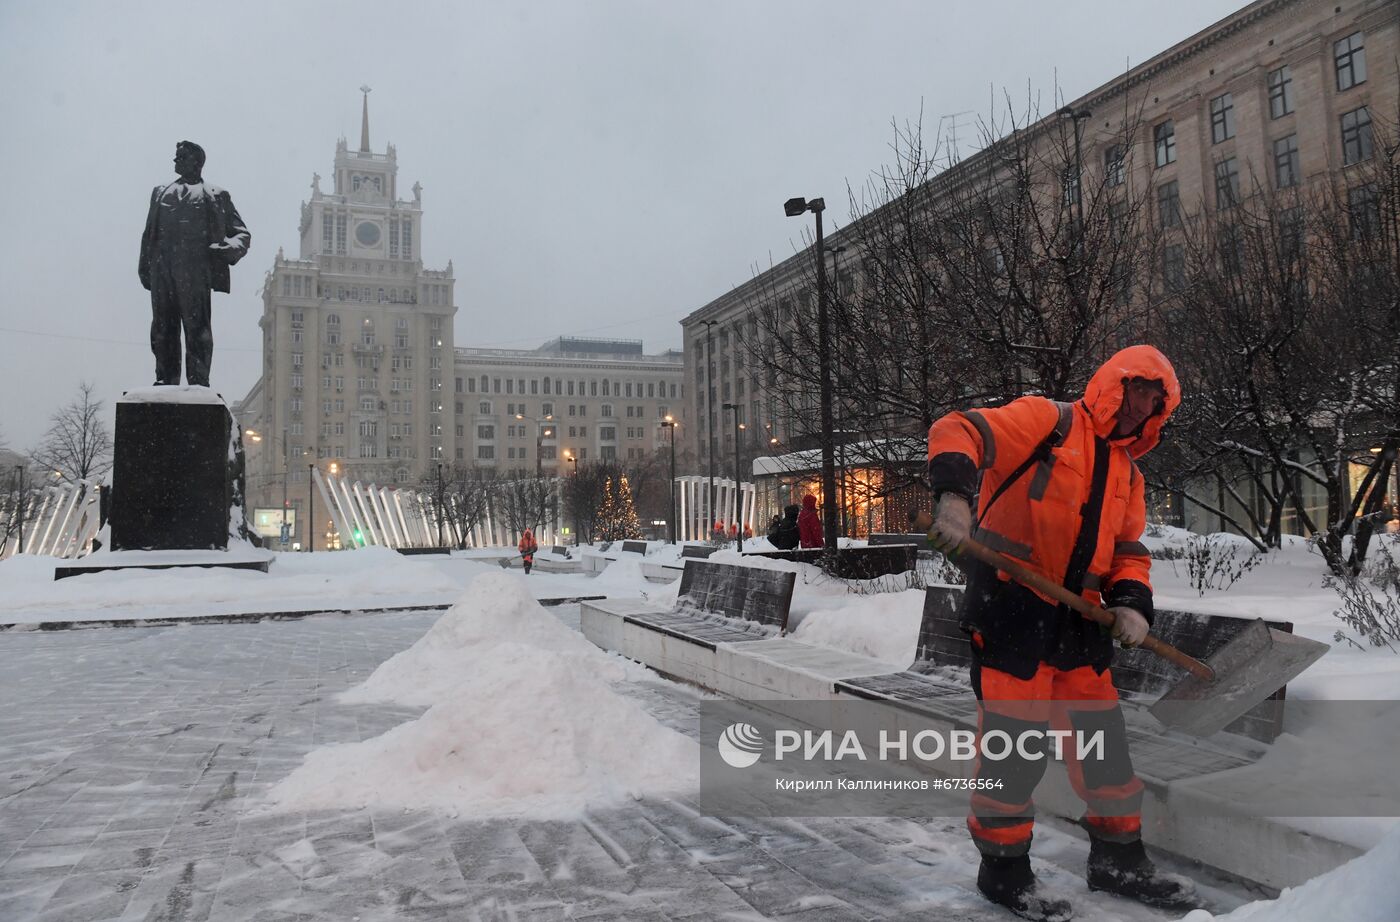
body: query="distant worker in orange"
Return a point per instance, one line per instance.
(527, 548)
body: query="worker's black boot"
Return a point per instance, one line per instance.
(1123, 868)
(1010, 882)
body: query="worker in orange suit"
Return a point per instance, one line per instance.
(1057, 487)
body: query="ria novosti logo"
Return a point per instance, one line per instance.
(740, 745)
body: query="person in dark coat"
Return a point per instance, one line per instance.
(809, 524)
(784, 534)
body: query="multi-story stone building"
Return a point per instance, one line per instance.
(1281, 93)
(357, 342)
(589, 399)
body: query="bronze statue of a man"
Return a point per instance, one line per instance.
(193, 234)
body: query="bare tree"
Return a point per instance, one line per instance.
(526, 501)
(1012, 272)
(1285, 310)
(78, 445)
(469, 496)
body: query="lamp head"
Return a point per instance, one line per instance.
(794, 207)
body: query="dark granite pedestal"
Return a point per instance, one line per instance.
(171, 484)
(177, 486)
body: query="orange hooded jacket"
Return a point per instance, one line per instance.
(1039, 519)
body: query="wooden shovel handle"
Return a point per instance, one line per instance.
(1033, 580)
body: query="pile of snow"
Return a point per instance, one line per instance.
(1366, 889)
(523, 722)
(885, 626)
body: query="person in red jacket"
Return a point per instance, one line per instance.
(809, 524)
(1057, 488)
(527, 548)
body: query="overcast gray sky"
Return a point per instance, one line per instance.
(598, 167)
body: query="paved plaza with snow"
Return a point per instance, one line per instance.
(312, 770)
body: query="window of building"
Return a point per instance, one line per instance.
(608, 452)
(297, 359)
(1287, 168)
(534, 386)
(573, 409)
(1169, 204)
(296, 382)
(1227, 183)
(486, 432)
(629, 412)
(628, 387)
(546, 409)
(1174, 267)
(367, 404)
(1363, 210)
(583, 409)
(1350, 56)
(484, 408)
(1112, 165)
(546, 385)
(1222, 118)
(486, 452)
(607, 433)
(1280, 92)
(1164, 142)
(547, 452)
(573, 432)
(1356, 136)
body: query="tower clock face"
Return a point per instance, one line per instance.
(367, 234)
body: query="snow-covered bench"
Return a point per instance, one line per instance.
(718, 604)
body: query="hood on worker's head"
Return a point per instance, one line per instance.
(1104, 395)
(809, 501)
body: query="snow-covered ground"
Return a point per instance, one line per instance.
(499, 676)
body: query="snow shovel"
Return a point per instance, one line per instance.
(1244, 672)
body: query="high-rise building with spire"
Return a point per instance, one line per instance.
(357, 342)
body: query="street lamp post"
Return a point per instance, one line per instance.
(310, 507)
(1078, 115)
(710, 418)
(738, 494)
(669, 423)
(792, 208)
(578, 535)
(540, 433)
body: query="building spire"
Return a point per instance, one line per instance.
(364, 123)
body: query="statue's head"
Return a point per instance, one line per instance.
(189, 158)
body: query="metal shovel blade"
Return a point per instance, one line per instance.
(1248, 669)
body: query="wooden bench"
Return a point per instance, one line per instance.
(634, 547)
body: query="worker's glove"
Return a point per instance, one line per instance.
(952, 524)
(1129, 626)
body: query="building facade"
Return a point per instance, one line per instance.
(357, 343)
(1280, 94)
(587, 399)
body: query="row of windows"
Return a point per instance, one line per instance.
(488, 385)
(1349, 62)
(1357, 145)
(547, 453)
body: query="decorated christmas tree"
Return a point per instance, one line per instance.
(628, 524)
(617, 516)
